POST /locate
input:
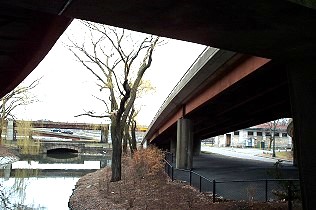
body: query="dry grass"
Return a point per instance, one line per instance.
(285, 155)
(280, 155)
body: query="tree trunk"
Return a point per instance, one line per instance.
(2, 125)
(116, 152)
(125, 142)
(270, 143)
(0, 134)
(133, 141)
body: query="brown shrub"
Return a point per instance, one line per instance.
(147, 162)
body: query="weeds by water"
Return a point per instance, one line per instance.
(25, 141)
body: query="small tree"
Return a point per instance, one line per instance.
(273, 128)
(118, 61)
(20, 96)
(130, 131)
(26, 144)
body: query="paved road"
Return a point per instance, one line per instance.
(227, 168)
(243, 153)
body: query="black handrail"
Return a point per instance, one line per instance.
(169, 166)
(214, 182)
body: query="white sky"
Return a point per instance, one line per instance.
(66, 88)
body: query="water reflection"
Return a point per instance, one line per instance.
(44, 181)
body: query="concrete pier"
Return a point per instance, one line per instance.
(184, 155)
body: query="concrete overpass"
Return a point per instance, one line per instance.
(61, 125)
(222, 91)
(281, 30)
(69, 125)
(70, 137)
(227, 86)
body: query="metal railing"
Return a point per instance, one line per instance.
(263, 190)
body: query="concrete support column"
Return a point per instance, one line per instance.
(184, 156)
(197, 147)
(7, 171)
(302, 83)
(10, 130)
(173, 145)
(104, 134)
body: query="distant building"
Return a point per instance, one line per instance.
(256, 136)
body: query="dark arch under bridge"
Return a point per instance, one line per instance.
(61, 150)
(71, 146)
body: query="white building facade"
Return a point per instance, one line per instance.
(255, 137)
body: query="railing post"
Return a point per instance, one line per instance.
(289, 194)
(266, 190)
(214, 190)
(172, 173)
(200, 184)
(190, 177)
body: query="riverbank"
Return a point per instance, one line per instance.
(154, 191)
(7, 156)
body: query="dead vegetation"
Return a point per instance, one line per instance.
(144, 185)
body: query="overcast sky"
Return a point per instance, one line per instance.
(66, 88)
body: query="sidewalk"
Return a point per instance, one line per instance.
(244, 153)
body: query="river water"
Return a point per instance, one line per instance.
(45, 181)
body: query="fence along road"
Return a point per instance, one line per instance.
(236, 178)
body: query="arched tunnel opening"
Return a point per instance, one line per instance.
(62, 153)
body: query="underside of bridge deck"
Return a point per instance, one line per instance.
(251, 101)
(269, 28)
(26, 37)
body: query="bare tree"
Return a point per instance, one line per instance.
(130, 131)
(20, 96)
(273, 128)
(118, 62)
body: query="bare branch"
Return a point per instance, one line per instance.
(19, 96)
(84, 62)
(92, 115)
(146, 64)
(105, 103)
